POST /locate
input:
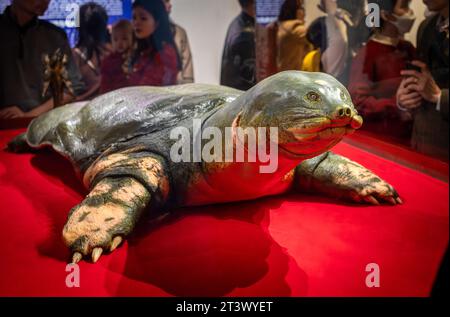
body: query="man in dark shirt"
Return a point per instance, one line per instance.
(426, 91)
(25, 40)
(239, 61)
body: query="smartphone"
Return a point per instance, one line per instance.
(411, 66)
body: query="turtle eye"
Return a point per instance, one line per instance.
(313, 96)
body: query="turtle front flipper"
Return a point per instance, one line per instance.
(339, 177)
(19, 144)
(125, 185)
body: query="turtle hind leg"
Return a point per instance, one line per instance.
(19, 144)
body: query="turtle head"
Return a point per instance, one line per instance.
(312, 111)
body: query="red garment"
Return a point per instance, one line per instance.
(113, 76)
(159, 69)
(374, 80)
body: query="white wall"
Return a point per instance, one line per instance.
(206, 22)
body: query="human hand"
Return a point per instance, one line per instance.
(12, 112)
(407, 98)
(345, 16)
(423, 82)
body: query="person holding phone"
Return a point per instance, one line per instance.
(376, 73)
(424, 89)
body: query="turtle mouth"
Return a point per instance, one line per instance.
(318, 137)
(327, 129)
(327, 133)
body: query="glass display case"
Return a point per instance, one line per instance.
(392, 58)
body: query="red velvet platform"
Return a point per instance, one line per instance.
(292, 245)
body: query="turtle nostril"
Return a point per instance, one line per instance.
(344, 112)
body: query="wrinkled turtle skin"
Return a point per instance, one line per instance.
(120, 143)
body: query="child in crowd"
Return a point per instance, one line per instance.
(122, 37)
(122, 43)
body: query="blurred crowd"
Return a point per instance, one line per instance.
(148, 50)
(400, 89)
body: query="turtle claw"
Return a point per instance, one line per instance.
(96, 253)
(399, 201)
(391, 200)
(372, 200)
(77, 256)
(115, 243)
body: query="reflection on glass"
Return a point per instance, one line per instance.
(399, 86)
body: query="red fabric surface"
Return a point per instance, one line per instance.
(291, 245)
